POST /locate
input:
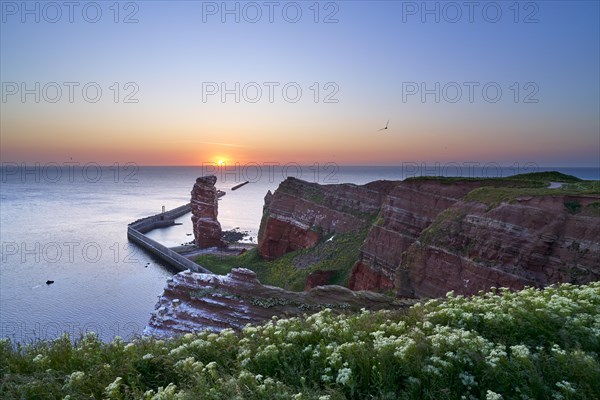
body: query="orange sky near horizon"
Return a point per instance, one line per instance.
(50, 137)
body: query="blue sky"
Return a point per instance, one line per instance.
(373, 50)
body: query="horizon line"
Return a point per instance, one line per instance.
(470, 164)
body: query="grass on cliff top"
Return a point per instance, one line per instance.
(549, 176)
(531, 344)
(339, 255)
(495, 195)
(534, 179)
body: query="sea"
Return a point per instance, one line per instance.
(67, 223)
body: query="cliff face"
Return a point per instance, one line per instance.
(204, 203)
(534, 241)
(424, 238)
(408, 209)
(192, 302)
(299, 213)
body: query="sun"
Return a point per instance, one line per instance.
(221, 161)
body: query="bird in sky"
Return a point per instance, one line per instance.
(386, 126)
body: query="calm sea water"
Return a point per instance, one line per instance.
(69, 225)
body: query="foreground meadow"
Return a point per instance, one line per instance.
(532, 344)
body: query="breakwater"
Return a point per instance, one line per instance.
(136, 233)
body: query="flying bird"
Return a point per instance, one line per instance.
(386, 126)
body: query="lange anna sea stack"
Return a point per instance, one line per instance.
(205, 208)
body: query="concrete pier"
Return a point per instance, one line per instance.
(136, 233)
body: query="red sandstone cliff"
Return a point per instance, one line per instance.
(530, 241)
(534, 241)
(300, 213)
(204, 203)
(408, 209)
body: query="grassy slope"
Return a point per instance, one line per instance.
(532, 344)
(340, 254)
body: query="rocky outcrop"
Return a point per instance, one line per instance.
(204, 203)
(193, 302)
(299, 213)
(533, 241)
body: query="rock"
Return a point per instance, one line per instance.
(234, 235)
(408, 209)
(299, 213)
(216, 302)
(531, 242)
(318, 278)
(364, 277)
(204, 204)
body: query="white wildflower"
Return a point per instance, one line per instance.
(245, 375)
(165, 393)
(557, 350)
(520, 351)
(113, 388)
(129, 346)
(211, 365)
(432, 370)
(344, 376)
(493, 396)
(467, 379)
(269, 381)
(566, 386)
(78, 376)
(495, 356)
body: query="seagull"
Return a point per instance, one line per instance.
(386, 126)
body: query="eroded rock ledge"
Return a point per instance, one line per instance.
(193, 302)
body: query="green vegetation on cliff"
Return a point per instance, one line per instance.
(291, 270)
(495, 195)
(532, 344)
(530, 179)
(550, 176)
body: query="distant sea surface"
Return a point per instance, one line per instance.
(68, 225)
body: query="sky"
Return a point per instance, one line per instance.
(192, 82)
